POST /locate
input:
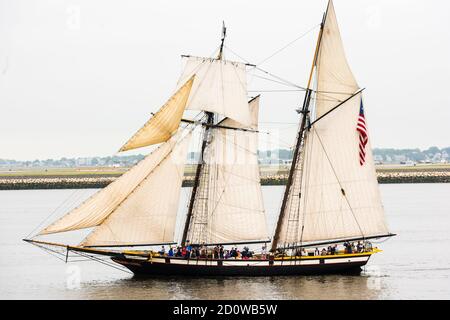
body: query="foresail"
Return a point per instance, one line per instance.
(164, 123)
(97, 208)
(220, 86)
(148, 214)
(229, 206)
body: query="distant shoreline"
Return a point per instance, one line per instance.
(269, 176)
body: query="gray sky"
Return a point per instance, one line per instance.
(77, 78)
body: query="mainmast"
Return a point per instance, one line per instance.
(206, 139)
(300, 139)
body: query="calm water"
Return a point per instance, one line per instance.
(414, 265)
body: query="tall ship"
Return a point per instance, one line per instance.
(331, 207)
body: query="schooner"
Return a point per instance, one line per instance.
(331, 194)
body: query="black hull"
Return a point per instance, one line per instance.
(146, 268)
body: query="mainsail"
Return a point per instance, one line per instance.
(139, 207)
(331, 195)
(220, 86)
(229, 205)
(164, 123)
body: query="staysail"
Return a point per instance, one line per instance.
(229, 205)
(164, 123)
(333, 196)
(139, 207)
(220, 86)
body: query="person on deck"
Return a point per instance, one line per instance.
(264, 252)
(221, 252)
(188, 247)
(359, 247)
(332, 250)
(170, 253)
(162, 251)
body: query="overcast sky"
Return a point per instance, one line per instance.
(77, 78)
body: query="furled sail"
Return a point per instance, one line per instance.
(229, 205)
(333, 196)
(164, 123)
(220, 86)
(157, 177)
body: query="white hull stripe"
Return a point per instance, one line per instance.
(225, 263)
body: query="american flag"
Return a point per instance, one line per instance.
(362, 132)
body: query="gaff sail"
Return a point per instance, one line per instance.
(331, 195)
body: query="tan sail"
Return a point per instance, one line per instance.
(97, 208)
(332, 196)
(164, 123)
(220, 86)
(148, 214)
(233, 208)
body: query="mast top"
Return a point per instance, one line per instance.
(224, 34)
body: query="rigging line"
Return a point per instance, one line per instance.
(51, 252)
(279, 141)
(281, 79)
(339, 182)
(237, 55)
(53, 212)
(103, 262)
(280, 82)
(289, 44)
(285, 82)
(279, 122)
(264, 90)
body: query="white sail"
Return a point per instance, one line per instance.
(97, 208)
(332, 195)
(229, 205)
(220, 86)
(148, 214)
(164, 123)
(335, 80)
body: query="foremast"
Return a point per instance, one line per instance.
(200, 171)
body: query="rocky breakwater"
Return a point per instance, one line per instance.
(391, 175)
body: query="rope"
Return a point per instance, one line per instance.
(53, 212)
(287, 45)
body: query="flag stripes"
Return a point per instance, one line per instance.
(363, 137)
